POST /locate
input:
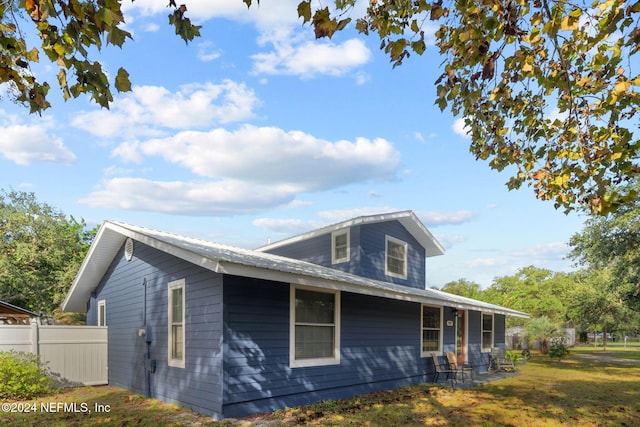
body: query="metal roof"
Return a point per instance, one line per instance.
(407, 218)
(248, 263)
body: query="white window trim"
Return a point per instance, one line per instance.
(176, 284)
(386, 257)
(335, 234)
(440, 335)
(482, 330)
(320, 361)
(102, 304)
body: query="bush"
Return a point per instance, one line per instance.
(558, 349)
(22, 376)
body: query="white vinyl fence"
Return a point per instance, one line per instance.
(77, 355)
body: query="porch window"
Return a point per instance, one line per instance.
(340, 246)
(431, 329)
(487, 332)
(396, 258)
(102, 313)
(315, 329)
(176, 324)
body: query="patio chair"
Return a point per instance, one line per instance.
(443, 369)
(453, 364)
(499, 361)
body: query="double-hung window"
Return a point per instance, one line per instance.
(487, 332)
(431, 329)
(176, 323)
(102, 313)
(396, 258)
(315, 328)
(339, 246)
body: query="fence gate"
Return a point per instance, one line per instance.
(76, 355)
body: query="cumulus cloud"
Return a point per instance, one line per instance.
(460, 128)
(216, 198)
(272, 155)
(244, 171)
(153, 110)
(309, 58)
(26, 144)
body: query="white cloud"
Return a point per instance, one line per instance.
(282, 226)
(450, 240)
(459, 128)
(207, 52)
(152, 110)
(272, 155)
(436, 218)
(246, 171)
(217, 198)
(25, 144)
(296, 55)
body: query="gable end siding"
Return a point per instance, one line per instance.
(373, 252)
(197, 386)
(380, 349)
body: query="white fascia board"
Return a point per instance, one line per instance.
(407, 218)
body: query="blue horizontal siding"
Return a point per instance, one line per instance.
(368, 253)
(197, 386)
(380, 348)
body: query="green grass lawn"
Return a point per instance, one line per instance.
(575, 392)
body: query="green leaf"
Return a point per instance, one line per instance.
(122, 81)
(304, 11)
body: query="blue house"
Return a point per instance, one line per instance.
(229, 332)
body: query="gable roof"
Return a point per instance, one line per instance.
(247, 263)
(6, 308)
(408, 219)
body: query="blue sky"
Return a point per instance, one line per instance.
(256, 131)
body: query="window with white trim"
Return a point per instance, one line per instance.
(176, 323)
(102, 313)
(315, 327)
(487, 332)
(396, 258)
(431, 329)
(340, 246)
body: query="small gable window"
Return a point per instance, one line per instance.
(431, 329)
(102, 313)
(487, 332)
(176, 325)
(340, 246)
(315, 329)
(396, 258)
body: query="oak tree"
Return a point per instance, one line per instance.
(41, 250)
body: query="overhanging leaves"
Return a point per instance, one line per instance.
(547, 88)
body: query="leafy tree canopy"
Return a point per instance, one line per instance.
(464, 288)
(40, 252)
(612, 243)
(537, 291)
(547, 88)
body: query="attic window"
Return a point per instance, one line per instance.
(396, 258)
(340, 246)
